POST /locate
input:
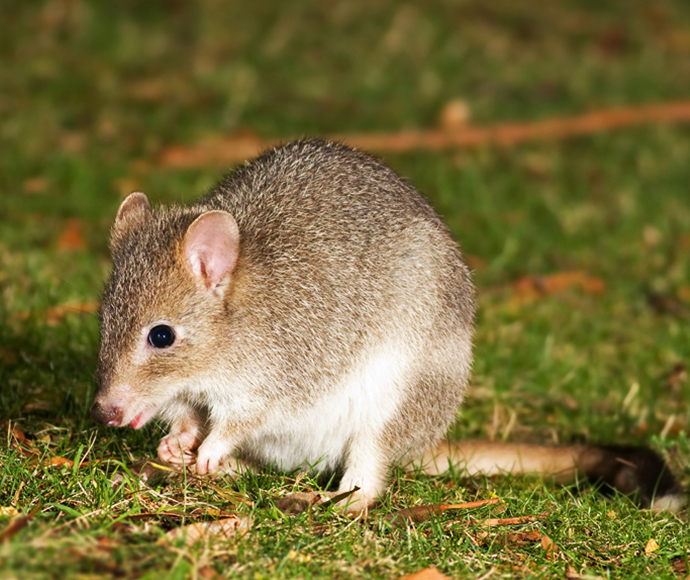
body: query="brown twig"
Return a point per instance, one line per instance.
(470, 504)
(225, 151)
(510, 521)
(422, 513)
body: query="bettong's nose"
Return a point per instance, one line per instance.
(110, 416)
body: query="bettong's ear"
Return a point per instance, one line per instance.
(133, 214)
(211, 247)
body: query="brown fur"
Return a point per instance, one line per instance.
(339, 260)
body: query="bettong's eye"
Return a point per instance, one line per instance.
(161, 336)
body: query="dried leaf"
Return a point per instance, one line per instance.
(549, 546)
(651, 546)
(147, 470)
(530, 537)
(54, 461)
(518, 539)
(337, 497)
(679, 565)
(208, 573)
(71, 237)
(426, 574)
(28, 453)
(16, 433)
(60, 461)
(9, 510)
(224, 528)
(230, 496)
(299, 502)
(15, 499)
(455, 115)
(36, 185)
(571, 573)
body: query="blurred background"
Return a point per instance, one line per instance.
(578, 244)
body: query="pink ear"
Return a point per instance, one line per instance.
(211, 247)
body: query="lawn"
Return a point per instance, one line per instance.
(579, 248)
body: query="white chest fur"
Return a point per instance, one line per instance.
(355, 409)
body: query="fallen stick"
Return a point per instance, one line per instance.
(510, 521)
(422, 513)
(230, 150)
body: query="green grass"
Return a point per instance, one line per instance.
(92, 92)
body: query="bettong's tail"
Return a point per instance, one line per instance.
(637, 472)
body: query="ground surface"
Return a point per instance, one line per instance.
(580, 250)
